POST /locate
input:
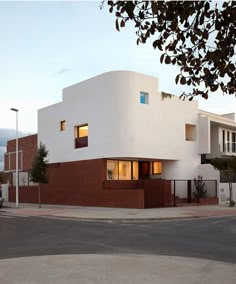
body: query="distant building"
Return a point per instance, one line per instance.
(116, 140)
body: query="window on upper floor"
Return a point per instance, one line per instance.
(81, 136)
(63, 125)
(228, 141)
(190, 132)
(144, 98)
(234, 142)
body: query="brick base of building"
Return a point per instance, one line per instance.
(84, 183)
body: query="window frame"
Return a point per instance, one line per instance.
(62, 125)
(81, 142)
(144, 95)
(153, 170)
(190, 132)
(118, 168)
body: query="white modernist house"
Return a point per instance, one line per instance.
(122, 117)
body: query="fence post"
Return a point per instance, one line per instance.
(216, 191)
(189, 192)
(198, 190)
(174, 194)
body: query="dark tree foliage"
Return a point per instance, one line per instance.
(197, 36)
(3, 177)
(38, 172)
(39, 167)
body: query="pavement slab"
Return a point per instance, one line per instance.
(118, 269)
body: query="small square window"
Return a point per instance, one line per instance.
(190, 132)
(63, 125)
(144, 98)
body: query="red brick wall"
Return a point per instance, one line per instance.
(157, 193)
(83, 183)
(29, 146)
(80, 183)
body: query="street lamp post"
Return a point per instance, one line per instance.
(17, 169)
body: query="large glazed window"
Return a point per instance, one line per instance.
(122, 170)
(81, 136)
(112, 170)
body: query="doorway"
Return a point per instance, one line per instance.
(143, 170)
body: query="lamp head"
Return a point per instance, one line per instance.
(14, 109)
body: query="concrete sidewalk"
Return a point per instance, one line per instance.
(115, 269)
(102, 213)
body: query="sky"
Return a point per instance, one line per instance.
(47, 46)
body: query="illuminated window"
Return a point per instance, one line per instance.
(135, 170)
(122, 170)
(144, 98)
(156, 168)
(82, 131)
(112, 170)
(81, 136)
(63, 125)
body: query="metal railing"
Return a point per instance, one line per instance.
(192, 191)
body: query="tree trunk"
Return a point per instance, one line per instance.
(39, 197)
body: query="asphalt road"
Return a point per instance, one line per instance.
(212, 239)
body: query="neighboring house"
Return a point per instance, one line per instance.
(116, 140)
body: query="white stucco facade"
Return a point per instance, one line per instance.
(121, 127)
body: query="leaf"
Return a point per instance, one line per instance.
(201, 19)
(177, 79)
(129, 7)
(205, 96)
(168, 59)
(182, 80)
(206, 71)
(162, 57)
(117, 25)
(174, 61)
(154, 7)
(122, 23)
(189, 82)
(214, 87)
(154, 44)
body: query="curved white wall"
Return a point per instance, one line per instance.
(119, 126)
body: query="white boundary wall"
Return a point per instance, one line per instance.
(4, 188)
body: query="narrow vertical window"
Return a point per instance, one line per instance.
(63, 125)
(228, 141)
(223, 140)
(144, 98)
(156, 168)
(233, 142)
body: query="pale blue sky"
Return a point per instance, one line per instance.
(46, 46)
